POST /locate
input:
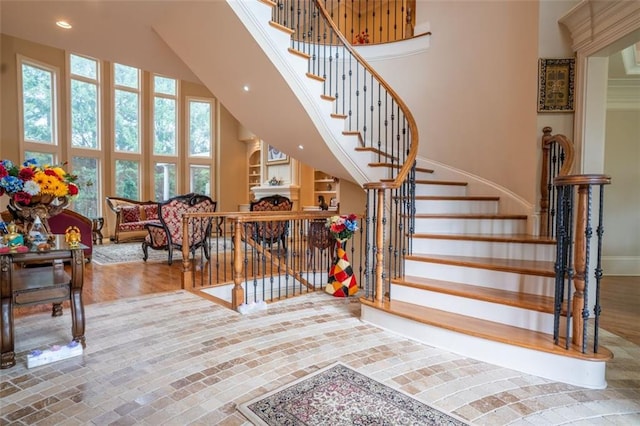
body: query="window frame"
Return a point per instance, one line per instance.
(97, 154)
(195, 160)
(54, 148)
(115, 154)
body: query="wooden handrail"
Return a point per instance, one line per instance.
(549, 173)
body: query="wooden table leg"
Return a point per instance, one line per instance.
(7, 356)
(77, 308)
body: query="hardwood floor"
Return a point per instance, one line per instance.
(620, 296)
(620, 301)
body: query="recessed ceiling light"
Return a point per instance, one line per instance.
(246, 88)
(300, 147)
(64, 24)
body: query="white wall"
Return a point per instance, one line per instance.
(621, 242)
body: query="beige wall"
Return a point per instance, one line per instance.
(621, 241)
(474, 91)
(232, 176)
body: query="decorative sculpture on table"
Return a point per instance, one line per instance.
(342, 282)
(36, 191)
(13, 237)
(72, 236)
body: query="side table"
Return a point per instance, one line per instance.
(96, 229)
(21, 286)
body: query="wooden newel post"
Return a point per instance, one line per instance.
(237, 295)
(580, 264)
(582, 235)
(379, 245)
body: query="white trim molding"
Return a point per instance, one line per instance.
(623, 94)
(621, 265)
(595, 25)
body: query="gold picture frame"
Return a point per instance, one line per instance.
(275, 156)
(556, 84)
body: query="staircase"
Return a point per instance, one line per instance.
(477, 285)
(473, 282)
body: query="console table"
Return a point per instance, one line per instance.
(22, 286)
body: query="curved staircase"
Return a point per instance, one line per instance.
(477, 285)
(471, 281)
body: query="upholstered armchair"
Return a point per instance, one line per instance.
(270, 232)
(167, 235)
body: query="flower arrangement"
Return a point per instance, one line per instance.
(342, 227)
(33, 183)
(362, 38)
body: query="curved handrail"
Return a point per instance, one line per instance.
(554, 163)
(413, 128)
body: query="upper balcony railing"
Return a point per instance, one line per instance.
(359, 21)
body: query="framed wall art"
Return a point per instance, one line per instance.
(555, 85)
(275, 156)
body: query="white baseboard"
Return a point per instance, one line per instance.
(621, 265)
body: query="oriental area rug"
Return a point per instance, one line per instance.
(337, 395)
(112, 254)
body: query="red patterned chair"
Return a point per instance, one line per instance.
(129, 218)
(270, 232)
(167, 235)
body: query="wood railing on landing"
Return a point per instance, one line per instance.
(557, 160)
(243, 268)
(374, 112)
(574, 232)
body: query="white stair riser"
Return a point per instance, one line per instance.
(490, 249)
(435, 190)
(558, 368)
(456, 207)
(511, 281)
(510, 315)
(470, 226)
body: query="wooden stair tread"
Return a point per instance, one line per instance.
(469, 216)
(499, 238)
(315, 77)
(282, 28)
(423, 170)
(455, 198)
(440, 182)
(529, 267)
(299, 53)
(433, 182)
(489, 330)
(376, 151)
(532, 302)
(398, 166)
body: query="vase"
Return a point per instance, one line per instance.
(42, 207)
(342, 282)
